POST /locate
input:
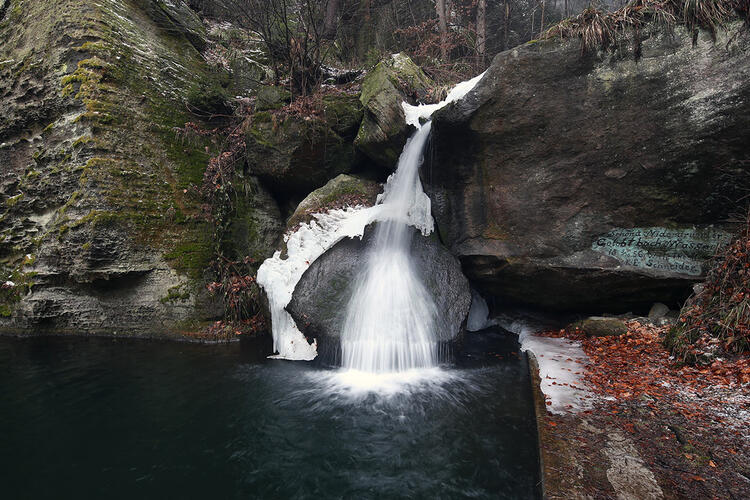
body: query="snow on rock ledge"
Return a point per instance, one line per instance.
(562, 364)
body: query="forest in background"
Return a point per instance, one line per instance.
(450, 39)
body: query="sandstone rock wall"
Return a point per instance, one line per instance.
(597, 180)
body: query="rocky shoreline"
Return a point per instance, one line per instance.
(675, 432)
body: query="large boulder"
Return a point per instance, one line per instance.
(595, 181)
(295, 154)
(320, 299)
(384, 131)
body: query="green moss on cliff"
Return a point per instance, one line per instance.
(15, 283)
(192, 257)
(113, 82)
(133, 96)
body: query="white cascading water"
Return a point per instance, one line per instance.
(390, 319)
(388, 325)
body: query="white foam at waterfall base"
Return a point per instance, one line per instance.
(278, 275)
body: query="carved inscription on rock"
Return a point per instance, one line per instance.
(681, 251)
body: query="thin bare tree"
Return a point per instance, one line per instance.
(441, 6)
(506, 25)
(293, 33)
(330, 22)
(541, 23)
(481, 32)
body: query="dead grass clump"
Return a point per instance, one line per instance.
(716, 320)
(599, 30)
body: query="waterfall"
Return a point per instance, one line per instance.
(389, 321)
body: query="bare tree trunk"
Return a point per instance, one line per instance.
(566, 8)
(541, 24)
(507, 25)
(330, 21)
(481, 32)
(442, 13)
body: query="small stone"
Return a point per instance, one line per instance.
(658, 311)
(597, 326)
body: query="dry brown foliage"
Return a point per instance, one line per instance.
(599, 30)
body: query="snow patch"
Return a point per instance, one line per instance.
(424, 111)
(562, 364)
(279, 275)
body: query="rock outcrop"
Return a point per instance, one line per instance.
(294, 154)
(100, 231)
(384, 131)
(322, 294)
(340, 192)
(575, 181)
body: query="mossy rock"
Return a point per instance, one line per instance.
(177, 16)
(384, 131)
(209, 97)
(247, 75)
(343, 113)
(596, 326)
(255, 224)
(269, 97)
(294, 155)
(107, 212)
(340, 192)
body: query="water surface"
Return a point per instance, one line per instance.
(103, 418)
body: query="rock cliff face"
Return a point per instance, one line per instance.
(582, 181)
(99, 232)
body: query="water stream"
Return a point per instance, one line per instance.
(390, 320)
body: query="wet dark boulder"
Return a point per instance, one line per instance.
(320, 299)
(595, 181)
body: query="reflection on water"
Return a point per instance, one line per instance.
(102, 418)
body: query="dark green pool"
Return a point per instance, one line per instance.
(103, 418)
